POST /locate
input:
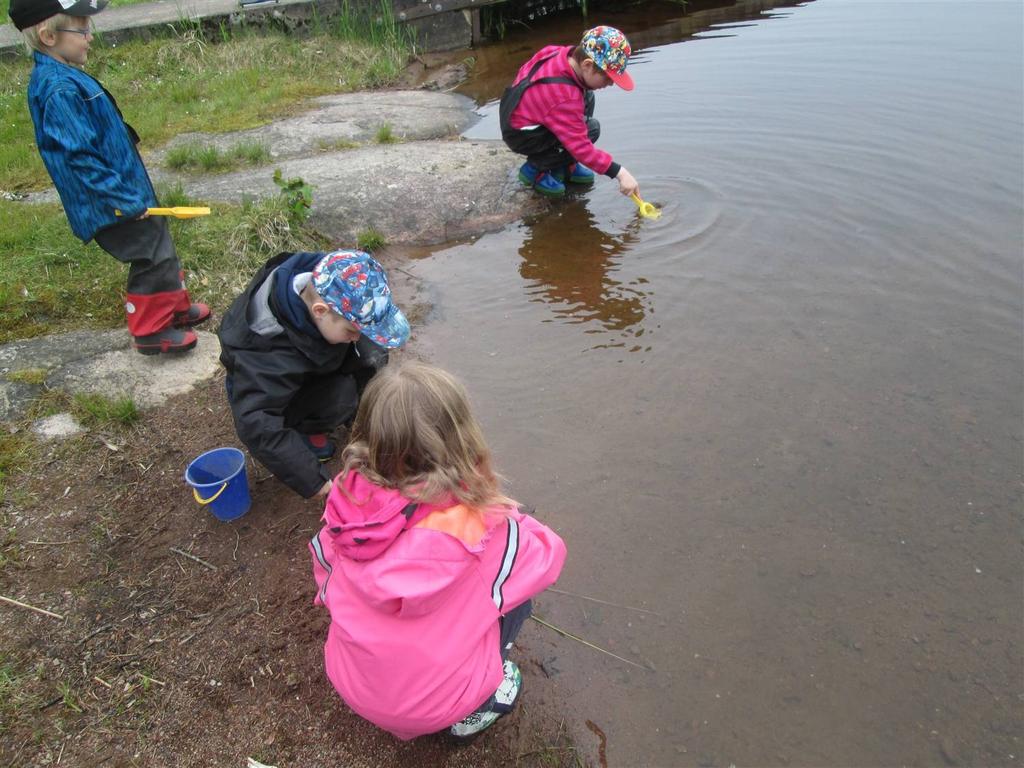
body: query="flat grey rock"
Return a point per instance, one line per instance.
(104, 363)
(46, 352)
(337, 121)
(147, 379)
(422, 192)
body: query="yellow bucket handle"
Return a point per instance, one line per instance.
(212, 498)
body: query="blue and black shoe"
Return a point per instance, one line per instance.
(320, 446)
(544, 182)
(578, 173)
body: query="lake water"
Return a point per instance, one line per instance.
(785, 419)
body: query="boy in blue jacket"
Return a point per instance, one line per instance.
(90, 153)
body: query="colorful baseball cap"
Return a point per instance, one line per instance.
(354, 285)
(609, 49)
(28, 13)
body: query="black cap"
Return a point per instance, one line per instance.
(28, 13)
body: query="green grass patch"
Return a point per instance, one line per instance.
(209, 159)
(370, 240)
(35, 376)
(385, 135)
(99, 410)
(187, 81)
(93, 410)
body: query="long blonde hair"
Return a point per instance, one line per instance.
(415, 432)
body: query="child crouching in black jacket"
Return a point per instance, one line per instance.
(299, 346)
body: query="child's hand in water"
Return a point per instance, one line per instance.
(627, 184)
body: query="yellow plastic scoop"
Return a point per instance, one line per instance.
(178, 212)
(647, 210)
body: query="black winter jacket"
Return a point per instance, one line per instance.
(283, 383)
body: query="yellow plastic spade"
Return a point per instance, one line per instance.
(178, 212)
(647, 210)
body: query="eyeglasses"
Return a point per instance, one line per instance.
(82, 32)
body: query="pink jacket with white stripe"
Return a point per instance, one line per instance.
(413, 641)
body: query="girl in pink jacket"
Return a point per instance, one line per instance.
(426, 568)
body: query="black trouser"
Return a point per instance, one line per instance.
(145, 245)
(542, 148)
(511, 623)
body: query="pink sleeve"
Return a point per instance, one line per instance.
(566, 122)
(531, 562)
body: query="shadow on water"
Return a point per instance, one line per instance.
(785, 417)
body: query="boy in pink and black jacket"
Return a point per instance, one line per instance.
(547, 113)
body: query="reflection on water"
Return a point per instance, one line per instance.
(648, 25)
(798, 436)
(578, 274)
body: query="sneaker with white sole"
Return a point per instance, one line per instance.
(501, 703)
(474, 724)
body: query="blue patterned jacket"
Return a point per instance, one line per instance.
(87, 147)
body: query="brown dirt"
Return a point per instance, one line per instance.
(160, 660)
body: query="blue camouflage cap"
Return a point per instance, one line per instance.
(354, 285)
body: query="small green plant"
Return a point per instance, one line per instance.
(70, 700)
(324, 145)
(101, 410)
(265, 227)
(298, 196)
(385, 134)
(35, 376)
(370, 240)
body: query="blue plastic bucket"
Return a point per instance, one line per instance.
(218, 480)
